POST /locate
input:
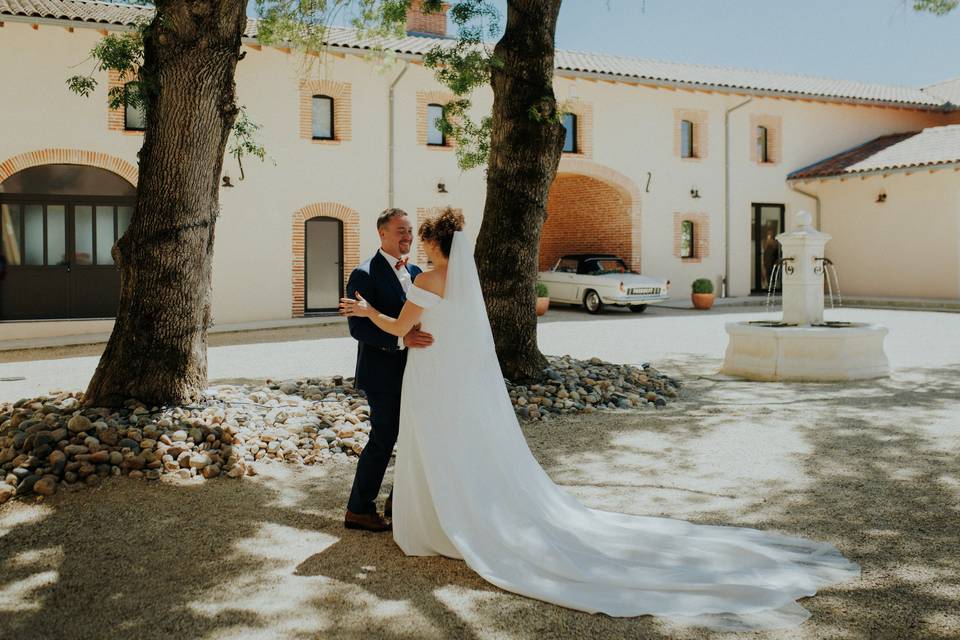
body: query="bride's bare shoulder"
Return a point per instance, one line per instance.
(432, 281)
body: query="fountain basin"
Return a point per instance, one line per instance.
(827, 352)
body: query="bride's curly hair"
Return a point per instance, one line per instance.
(440, 228)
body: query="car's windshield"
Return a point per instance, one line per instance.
(600, 266)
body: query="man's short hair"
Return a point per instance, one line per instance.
(389, 214)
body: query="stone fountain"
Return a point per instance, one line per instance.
(802, 347)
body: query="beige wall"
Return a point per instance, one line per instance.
(907, 246)
(631, 136)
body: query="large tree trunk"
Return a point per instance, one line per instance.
(157, 352)
(524, 154)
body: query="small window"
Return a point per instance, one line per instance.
(763, 154)
(322, 116)
(435, 135)
(686, 139)
(566, 265)
(570, 124)
(686, 239)
(134, 117)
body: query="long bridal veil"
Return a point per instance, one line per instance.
(521, 532)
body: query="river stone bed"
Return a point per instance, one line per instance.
(50, 442)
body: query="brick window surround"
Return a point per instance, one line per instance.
(774, 125)
(341, 92)
(701, 236)
(351, 245)
(584, 142)
(699, 119)
(16, 163)
(425, 98)
(591, 207)
(422, 214)
(116, 118)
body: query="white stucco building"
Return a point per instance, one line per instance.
(683, 170)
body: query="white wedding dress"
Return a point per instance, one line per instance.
(467, 486)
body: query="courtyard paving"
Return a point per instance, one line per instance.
(871, 467)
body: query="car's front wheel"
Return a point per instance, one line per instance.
(638, 308)
(592, 302)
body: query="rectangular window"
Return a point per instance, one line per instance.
(83, 233)
(10, 219)
(56, 234)
(134, 117)
(33, 234)
(435, 135)
(762, 147)
(686, 139)
(570, 141)
(686, 239)
(322, 118)
(124, 216)
(105, 237)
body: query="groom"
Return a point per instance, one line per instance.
(381, 358)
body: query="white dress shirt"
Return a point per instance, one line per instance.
(403, 276)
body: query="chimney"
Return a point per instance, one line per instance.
(427, 24)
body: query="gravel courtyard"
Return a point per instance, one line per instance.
(871, 467)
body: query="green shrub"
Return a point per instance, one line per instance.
(542, 291)
(702, 285)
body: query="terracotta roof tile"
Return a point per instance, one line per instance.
(671, 73)
(930, 147)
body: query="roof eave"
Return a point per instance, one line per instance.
(406, 55)
(914, 168)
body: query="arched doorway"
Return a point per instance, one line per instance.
(323, 258)
(590, 209)
(58, 224)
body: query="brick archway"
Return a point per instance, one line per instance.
(591, 208)
(29, 159)
(351, 245)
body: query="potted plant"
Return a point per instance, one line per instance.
(702, 296)
(543, 299)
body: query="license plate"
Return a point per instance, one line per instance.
(647, 291)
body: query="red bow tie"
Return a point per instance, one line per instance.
(402, 262)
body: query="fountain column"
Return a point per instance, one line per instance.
(803, 272)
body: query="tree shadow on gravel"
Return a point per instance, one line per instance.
(268, 557)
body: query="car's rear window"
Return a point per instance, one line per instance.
(600, 266)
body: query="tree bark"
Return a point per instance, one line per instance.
(157, 352)
(525, 146)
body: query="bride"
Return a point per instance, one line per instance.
(467, 486)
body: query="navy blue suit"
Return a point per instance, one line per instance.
(380, 365)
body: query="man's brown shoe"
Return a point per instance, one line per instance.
(367, 522)
(388, 508)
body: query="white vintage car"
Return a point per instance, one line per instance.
(595, 280)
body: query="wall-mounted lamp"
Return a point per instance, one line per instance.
(694, 193)
(441, 187)
(882, 196)
(226, 182)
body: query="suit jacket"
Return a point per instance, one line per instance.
(380, 361)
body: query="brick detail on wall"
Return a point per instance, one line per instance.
(342, 93)
(584, 112)
(700, 132)
(422, 214)
(585, 215)
(429, 23)
(701, 236)
(22, 161)
(351, 245)
(425, 98)
(774, 125)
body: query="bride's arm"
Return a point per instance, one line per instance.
(360, 308)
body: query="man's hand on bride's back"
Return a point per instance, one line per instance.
(417, 339)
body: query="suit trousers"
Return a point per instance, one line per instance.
(372, 465)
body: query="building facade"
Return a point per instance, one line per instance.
(681, 170)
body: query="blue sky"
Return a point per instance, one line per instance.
(881, 41)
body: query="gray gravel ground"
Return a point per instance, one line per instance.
(871, 467)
